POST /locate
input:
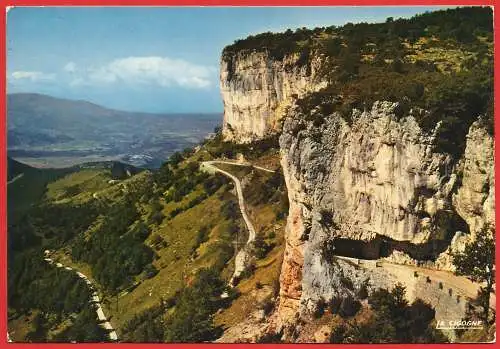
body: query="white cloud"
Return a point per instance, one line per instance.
(130, 71)
(31, 75)
(162, 71)
(70, 67)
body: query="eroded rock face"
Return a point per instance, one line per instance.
(376, 176)
(475, 198)
(256, 91)
(379, 175)
(293, 260)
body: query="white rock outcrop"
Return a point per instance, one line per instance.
(372, 183)
(377, 177)
(475, 198)
(256, 90)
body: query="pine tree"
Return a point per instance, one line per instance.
(477, 261)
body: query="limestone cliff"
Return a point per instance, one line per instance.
(371, 188)
(257, 89)
(475, 198)
(383, 158)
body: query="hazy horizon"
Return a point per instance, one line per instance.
(116, 109)
(148, 59)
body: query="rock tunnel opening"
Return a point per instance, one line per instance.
(383, 246)
(446, 224)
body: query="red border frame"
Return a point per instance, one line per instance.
(3, 149)
(245, 2)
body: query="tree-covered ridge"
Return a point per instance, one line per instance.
(463, 25)
(439, 64)
(456, 99)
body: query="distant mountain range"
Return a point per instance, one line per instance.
(54, 132)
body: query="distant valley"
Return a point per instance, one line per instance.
(44, 131)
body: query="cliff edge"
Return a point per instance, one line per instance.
(386, 142)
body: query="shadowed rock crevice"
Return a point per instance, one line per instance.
(382, 247)
(445, 222)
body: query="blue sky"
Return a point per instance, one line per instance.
(156, 59)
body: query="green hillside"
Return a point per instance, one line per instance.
(145, 240)
(26, 185)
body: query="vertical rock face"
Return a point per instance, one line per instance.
(475, 198)
(257, 89)
(366, 184)
(377, 177)
(293, 261)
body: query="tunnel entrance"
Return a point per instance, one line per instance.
(446, 223)
(357, 249)
(383, 246)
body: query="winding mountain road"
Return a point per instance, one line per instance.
(104, 322)
(405, 274)
(240, 259)
(19, 176)
(242, 256)
(245, 164)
